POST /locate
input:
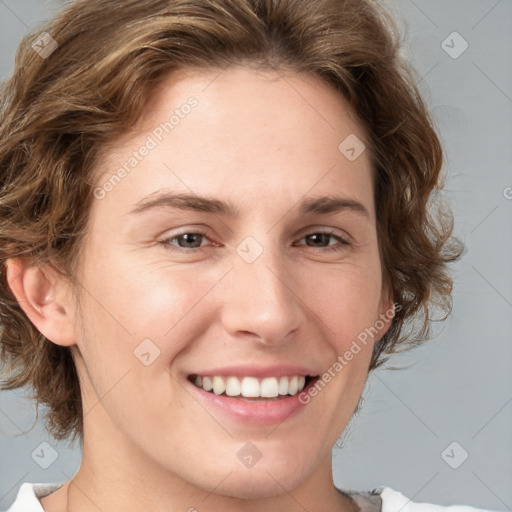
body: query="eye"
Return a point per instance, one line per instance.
(191, 241)
(323, 237)
(187, 242)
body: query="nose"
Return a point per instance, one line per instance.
(261, 300)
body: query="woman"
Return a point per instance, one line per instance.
(214, 226)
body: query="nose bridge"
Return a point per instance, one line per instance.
(261, 300)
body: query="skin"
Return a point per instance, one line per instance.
(147, 444)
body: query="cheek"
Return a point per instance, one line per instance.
(135, 325)
(128, 303)
(348, 300)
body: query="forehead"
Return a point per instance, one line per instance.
(212, 130)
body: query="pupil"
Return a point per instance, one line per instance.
(322, 236)
(189, 238)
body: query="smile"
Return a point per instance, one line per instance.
(253, 395)
(251, 387)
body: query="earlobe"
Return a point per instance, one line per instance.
(39, 291)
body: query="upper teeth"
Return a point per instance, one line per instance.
(251, 387)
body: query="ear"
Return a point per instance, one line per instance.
(43, 295)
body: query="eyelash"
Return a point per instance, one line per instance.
(336, 248)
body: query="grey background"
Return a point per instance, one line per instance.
(457, 388)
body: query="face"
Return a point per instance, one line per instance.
(258, 281)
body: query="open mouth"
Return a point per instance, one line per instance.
(252, 388)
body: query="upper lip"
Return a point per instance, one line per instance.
(257, 371)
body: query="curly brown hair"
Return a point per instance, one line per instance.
(58, 110)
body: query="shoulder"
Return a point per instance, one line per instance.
(27, 499)
(393, 500)
(385, 499)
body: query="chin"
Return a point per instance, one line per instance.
(249, 485)
(266, 479)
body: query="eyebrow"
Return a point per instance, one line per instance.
(193, 202)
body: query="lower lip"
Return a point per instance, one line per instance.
(264, 412)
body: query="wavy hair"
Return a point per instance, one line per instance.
(60, 108)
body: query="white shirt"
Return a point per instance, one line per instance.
(27, 500)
